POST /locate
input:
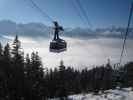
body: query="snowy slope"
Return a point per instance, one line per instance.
(117, 94)
(123, 94)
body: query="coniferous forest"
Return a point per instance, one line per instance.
(25, 78)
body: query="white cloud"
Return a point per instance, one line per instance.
(80, 52)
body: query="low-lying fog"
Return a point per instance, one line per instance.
(80, 52)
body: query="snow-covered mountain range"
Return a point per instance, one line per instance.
(33, 29)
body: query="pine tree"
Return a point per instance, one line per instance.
(6, 52)
(17, 54)
(16, 49)
(108, 75)
(1, 51)
(7, 68)
(7, 60)
(36, 64)
(62, 67)
(62, 81)
(18, 68)
(3, 78)
(35, 74)
(127, 74)
(27, 67)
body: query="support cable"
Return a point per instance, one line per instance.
(127, 31)
(41, 11)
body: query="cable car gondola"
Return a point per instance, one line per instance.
(57, 45)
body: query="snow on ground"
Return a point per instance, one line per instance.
(117, 94)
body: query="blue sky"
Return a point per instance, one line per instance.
(101, 13)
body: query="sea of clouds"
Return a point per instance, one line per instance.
(80, 53)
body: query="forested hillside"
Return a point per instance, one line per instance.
(25, 78)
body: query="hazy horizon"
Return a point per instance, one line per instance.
(80, 53)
